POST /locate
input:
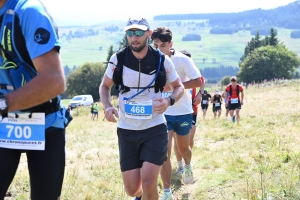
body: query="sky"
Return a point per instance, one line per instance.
(90, 12)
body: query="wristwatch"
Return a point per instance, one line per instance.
(172, 100)
(3, 104)
(202, 92)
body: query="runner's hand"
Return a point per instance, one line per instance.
(197, 99)
(160, 105)
(110, 114)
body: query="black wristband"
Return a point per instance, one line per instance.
(172, 100)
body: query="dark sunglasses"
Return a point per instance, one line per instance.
(138, 33)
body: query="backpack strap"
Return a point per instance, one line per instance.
(118, 72)
(14, 50)
(160, 80)
(237, 90)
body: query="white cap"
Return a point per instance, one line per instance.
(141, 24)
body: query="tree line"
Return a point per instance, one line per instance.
(263, 59)
(266, 58)
(284, 16)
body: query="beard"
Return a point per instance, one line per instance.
(140, 48)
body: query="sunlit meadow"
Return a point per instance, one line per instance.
(257, 159)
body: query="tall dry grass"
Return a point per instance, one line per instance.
(257, 159)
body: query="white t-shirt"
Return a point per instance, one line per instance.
(130, 79)
(186, 70)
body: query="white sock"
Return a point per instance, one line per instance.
(188, 166)
(180, 164)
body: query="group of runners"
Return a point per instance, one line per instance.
(158, 103)
(155, 104)
(231, 97)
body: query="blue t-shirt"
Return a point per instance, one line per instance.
(40, 37)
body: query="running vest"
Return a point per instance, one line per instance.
(237, 90)
(160, 80)
(17, 68)
(218, 99)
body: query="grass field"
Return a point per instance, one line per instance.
(226, 49)
(256, 160)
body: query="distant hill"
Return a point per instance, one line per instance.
(285, 16)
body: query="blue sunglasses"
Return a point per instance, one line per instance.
(138, 33)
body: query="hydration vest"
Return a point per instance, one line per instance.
(17, 68)
(218, 99)
(160, 80)
(237, 90)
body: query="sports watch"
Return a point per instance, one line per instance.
(172, 100)
(3, 104)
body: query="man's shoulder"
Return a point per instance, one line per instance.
(240, 87)
(28, 7)
(227, 87)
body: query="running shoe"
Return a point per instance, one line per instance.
(180, 170)
(188, 176)
(167, 196)
(137, 198)
(233, 119)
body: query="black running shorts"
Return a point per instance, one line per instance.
(138, 146)
(46, 168)
(235, 105)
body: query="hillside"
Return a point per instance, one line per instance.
(231, 162)
(284, 17)
(218, 48)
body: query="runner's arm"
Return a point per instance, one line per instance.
(192, 83)
(49, 82)
(212, 100)
(178, 89)
(104, 91)
(242, 97)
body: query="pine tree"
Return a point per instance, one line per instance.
(273, 39)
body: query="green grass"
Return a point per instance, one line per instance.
(226, 48)
(257, 159)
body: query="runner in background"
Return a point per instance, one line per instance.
(225, 96)
(204, 102)
(216, 100)
(196, 99)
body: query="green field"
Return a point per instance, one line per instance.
(226, 49)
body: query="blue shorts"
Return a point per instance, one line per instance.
(180, 124)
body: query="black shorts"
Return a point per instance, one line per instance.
(194, 120)
(216, 108)
(46, 168)
(204, 106)
(138, 146)
(234, 105)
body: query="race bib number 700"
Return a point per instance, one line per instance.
(23, 132)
